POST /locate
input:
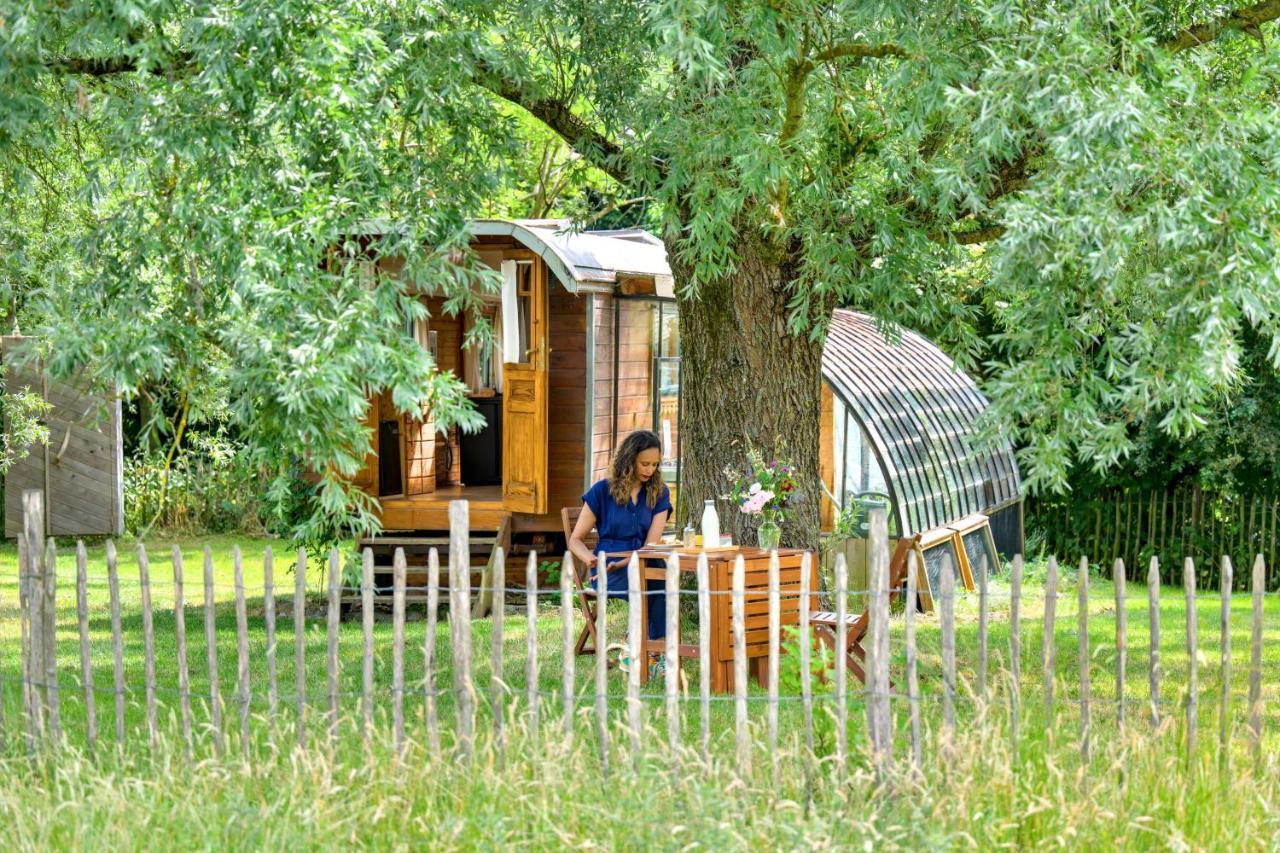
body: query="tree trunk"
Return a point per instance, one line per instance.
(748, 381)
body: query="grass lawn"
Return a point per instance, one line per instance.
(981, 791)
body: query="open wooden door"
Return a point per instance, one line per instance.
(524, 391)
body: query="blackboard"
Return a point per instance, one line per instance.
(933, 560)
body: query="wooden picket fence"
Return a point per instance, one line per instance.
(1177, 522)
(41, 688)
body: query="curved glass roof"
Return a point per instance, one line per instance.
(919, 413)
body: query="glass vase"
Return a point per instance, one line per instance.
(769, 535)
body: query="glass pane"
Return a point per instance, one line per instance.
(977, 544)
(669, 409)
(933, 559)
(669, 343)
(524, 295)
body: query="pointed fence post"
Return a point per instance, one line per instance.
(878, 669)
(429, 654)
(398, 568)
(913, 678)
(300, 642)
(1193, 675)
(269, 618)
(674, 672)
(1122, 640)
(366, 624)
(242, 648)
(984, 605)
(841, 670)
(531, 675)
(1015, 651)
(148, 642)
(497, 595)
(1255, 664)
(704, 658)
(460, 622)
(1047, 653)
(602, 659)
(743, 734)
(635, 589)
(1224, 706)
(86, 667)
(1082, 621)
(26, 643)
(331, 630)
(117, 642)
(1153, 654)
(38, 623)
(568, 678)
(180, 631)
(211, 653)
(806, 672)
(775, 632)
(947, 626)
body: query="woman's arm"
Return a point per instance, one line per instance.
(586, 521)
(656, 527)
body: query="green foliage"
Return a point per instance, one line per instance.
(210, 490)
(24, 427)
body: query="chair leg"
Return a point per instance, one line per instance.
(588, 632)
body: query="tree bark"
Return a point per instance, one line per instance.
(749, 382)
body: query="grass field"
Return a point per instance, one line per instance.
(1140, 789)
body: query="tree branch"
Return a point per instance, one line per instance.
(860, 50)
(106, 66)
(1247, 20)
(602, 152)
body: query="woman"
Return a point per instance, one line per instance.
(629, 510)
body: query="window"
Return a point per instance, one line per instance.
(666, 378)
(517, 311)
(857, 467)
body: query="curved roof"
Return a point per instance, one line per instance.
(586, 261)
(919, 412)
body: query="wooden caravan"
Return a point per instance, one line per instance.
(587, 350)
(582, 325)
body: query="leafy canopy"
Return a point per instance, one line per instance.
(207, 166)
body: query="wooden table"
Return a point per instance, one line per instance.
(755, 600)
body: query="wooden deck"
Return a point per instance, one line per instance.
(431, 512)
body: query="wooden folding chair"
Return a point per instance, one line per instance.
(824, 624)
(581, 575)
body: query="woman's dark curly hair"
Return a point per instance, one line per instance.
(622, 472)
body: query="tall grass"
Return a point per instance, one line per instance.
(1140, 792)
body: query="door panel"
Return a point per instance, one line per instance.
(524, 394)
